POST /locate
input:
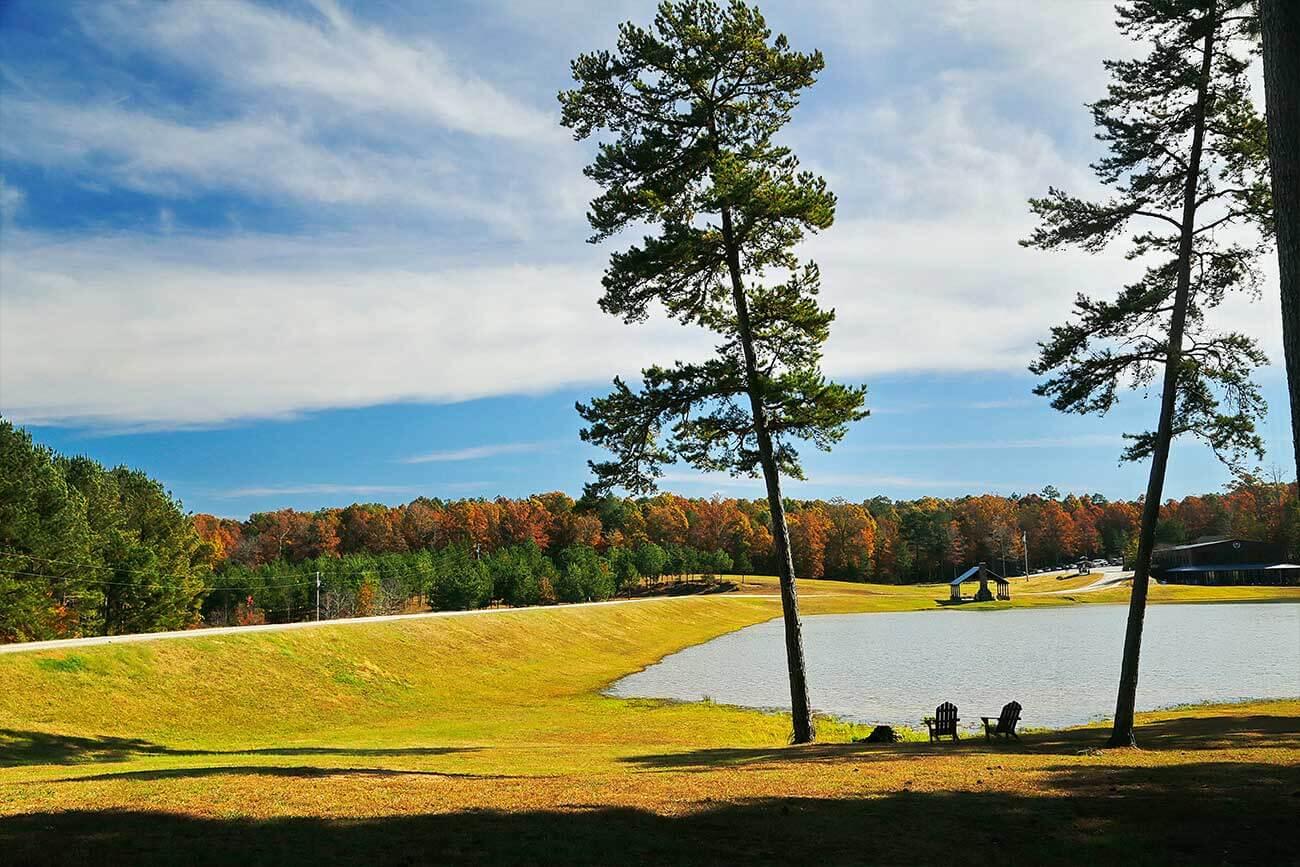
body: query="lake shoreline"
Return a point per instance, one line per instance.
(1060, 662)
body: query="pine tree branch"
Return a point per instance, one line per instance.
(1158, 216)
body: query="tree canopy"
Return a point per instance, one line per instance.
(86, 550)
(1153, 107)
(693, 103)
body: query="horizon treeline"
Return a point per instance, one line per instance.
(87, 550)
(878, 539)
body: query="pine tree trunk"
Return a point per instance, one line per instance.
(1122, 732)
(1280, 22)
(800, 714)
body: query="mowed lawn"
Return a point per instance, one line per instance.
(486, 738)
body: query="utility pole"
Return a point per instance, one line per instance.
(318, 594)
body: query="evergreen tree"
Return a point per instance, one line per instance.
(622, 563)
(153, 571)
(693, 103)
(461, 582)
(45, 590)
(651, 560)
(583, 576)
(1185, 161)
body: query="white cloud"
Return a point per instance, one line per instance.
(331, 60)
(1061, 42)
(11, 201)
(948, 294)
(323, 113)
(924, 267)
(473, 453)
(206, 330)
(316, 109)
(201, 331)
(255, 157)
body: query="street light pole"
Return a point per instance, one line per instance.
(1024, 543)
(318, 594)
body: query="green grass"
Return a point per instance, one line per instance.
(487, 738)
(71, 662)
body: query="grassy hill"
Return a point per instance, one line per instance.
(485, 737)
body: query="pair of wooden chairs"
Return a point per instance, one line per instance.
(945, 719)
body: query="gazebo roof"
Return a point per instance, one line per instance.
(965, 576)
(973, 573)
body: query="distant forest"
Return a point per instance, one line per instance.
(87, 550)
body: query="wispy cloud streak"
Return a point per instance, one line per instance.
(474, 453)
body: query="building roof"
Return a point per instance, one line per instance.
(1210, 542)
(1230, 567)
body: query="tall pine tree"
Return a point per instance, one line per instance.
(1185, 163)
(693, 103)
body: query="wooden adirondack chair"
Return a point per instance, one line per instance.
(1005, 724)
(944, 722)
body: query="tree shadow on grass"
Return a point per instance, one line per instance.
(723, 757)
(679, 588)
(360, 752)
(1217, 732)
(1090, 814)
(297, 771)
(19, 748)
(1181, 733)
(42, 748)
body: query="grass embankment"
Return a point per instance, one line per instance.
(1037, 591)
(486, 737)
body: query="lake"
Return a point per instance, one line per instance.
(1062, 664)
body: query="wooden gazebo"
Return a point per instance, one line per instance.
(984, 575)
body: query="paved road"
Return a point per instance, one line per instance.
(67, 643)
(1111, 576)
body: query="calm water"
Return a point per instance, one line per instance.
(1062, 664)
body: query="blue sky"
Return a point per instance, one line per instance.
(272, 253)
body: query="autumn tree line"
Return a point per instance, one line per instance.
(878, 540)
(88, 550)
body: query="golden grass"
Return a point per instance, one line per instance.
(363, 734)
(1037, 591)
